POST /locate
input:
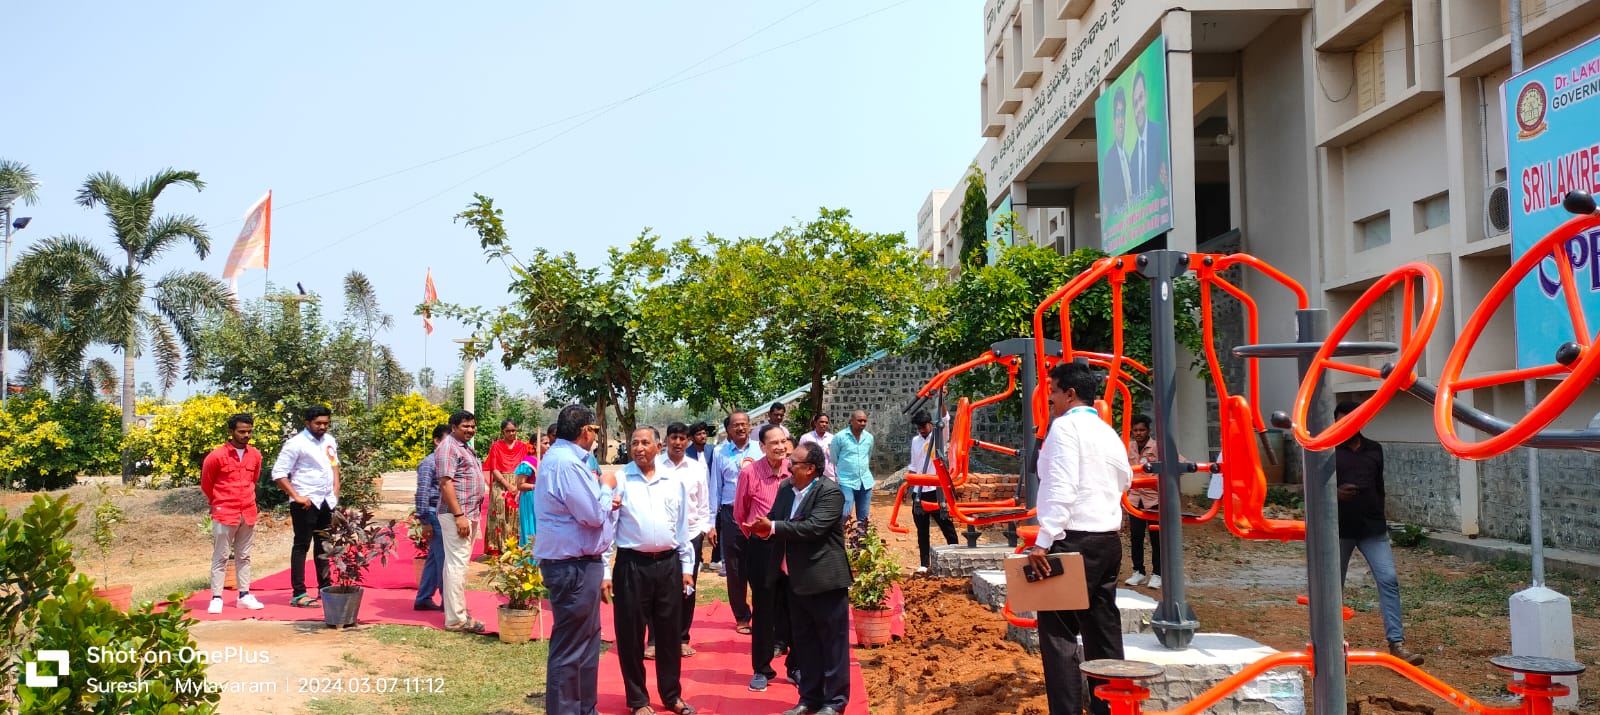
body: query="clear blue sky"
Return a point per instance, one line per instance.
(311, 98)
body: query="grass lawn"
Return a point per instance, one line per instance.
(478, 674)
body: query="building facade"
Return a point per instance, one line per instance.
(1334, 139)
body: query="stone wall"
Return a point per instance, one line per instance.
(1569, 483)
(1421, 484)
(883, 389)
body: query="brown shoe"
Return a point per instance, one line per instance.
(649, 652)
(1399, 650)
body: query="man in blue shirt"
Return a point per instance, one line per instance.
(577, 513)
(428, 511)
(852, 460)
(730, 457)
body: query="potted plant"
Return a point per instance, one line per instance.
(230, 578)
(414, 525)
(876, 574)
(352, 541)
(515, 575)
(107, 515)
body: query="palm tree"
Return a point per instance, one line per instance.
(17, 183)
(361, 304)
(166, 315)
(55, 291)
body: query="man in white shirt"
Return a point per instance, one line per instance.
(308, 471)
(652, 571)
(927, 503)
(676, 463)
(1083, 471)
(820, 436)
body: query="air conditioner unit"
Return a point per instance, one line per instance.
(1497, 210)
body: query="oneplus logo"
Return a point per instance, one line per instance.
(33, 679)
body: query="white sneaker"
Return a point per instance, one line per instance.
(1155, 582)
(922, 570)
(1136, 579)
(249, 602)
(714, 566)
(216, 605)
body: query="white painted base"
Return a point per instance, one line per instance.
(1209, 660)
(1541, 625)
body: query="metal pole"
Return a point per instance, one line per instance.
(5, 320)
(1174, 622)
(1322, 536)
(1514, 11)
(1530, 397)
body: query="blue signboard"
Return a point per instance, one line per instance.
(1552, 120)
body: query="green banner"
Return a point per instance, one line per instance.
(1130, 120)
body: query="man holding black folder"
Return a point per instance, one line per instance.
(1083, 471)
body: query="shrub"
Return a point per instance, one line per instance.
(515, 574)
(107, 515)
(43, 607)
(876, 571)
(171, 449)
(46, 443)
(1409, 535)
(352, 541)
(405, 427)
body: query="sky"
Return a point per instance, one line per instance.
(374, 123)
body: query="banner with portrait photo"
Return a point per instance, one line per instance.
(1135, 158)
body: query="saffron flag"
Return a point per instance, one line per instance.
(429, 297)
(254, 244)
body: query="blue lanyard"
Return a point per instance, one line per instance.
(1084, 408)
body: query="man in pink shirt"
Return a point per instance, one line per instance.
(753, 496)
(228, 478)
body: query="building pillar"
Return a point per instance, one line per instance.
(1190, 411)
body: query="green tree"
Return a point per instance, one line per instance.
(281, 355)
(165, 315)
(576, 328)
(56, 300)
(380, 371)
(975, 221)
(17, 183)
(991, 303)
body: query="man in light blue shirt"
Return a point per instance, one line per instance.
(654, 568)
(577, 515)
(728, 459)
(852, 460)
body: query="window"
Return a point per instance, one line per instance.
(1373, 232)
(1432, 212)
(1369, 74)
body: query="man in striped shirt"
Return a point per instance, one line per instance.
(461, 491)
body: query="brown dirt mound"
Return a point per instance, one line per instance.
(954, 659)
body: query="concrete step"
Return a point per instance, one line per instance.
(1210, 659)
(989, 588)
(960, 561)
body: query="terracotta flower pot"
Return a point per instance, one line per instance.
(416, 569)
(120, 595)
(872, 627)
(230, 578)
(519, 625)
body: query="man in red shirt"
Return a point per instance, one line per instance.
(228, 478)
(753, 496)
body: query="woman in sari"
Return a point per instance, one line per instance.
(500, 469)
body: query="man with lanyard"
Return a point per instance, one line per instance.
(692, 474)
(308, 471)
(228, 478)
(461, 493)
(427, 501)
(758, 487)
(730, 457)
(653, 570)
(929, 505)
(577, 508)
(1083, 471)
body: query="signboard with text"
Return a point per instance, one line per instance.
(1552, 120)
(1130, 119)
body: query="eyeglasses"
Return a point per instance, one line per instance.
(592, 427)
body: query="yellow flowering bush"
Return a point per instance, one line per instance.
(171, 448)
(45, 442)
(405, 429)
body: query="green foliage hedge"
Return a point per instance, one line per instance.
(45, 442)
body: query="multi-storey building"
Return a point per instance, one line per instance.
(1335, 139)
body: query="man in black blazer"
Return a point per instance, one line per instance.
(805, 521)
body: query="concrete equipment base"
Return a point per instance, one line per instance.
(989, 588)
(1209, 660)
(958, 561)
(1541, 625)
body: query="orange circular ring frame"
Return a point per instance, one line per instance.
(1410, 353)
(1580, 374)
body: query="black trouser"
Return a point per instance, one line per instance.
(687, 615)
(572, 667)
(769, 624)
(732, 541)
(1100, 624)
(1137, 528)
(647, 589)
(823, 656)
(307, 521)
(922, 516)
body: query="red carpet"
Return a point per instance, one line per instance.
(715, 680)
